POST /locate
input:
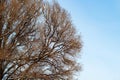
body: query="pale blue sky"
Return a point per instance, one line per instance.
(98, 22)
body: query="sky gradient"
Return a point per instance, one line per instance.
(98, 22)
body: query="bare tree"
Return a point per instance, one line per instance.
(37, 40)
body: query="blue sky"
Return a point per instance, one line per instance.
(98, 22)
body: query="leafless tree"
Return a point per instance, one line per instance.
(37, 41)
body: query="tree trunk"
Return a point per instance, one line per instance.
(1, 70)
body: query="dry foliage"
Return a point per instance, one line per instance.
(37, 41)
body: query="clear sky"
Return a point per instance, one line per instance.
(98, 22)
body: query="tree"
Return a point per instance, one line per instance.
(37, 40)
